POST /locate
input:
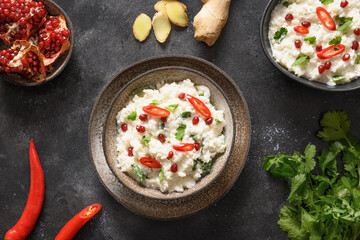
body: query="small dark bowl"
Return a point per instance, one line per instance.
(265, 43)
(60, 63)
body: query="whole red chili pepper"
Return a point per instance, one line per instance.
(75, 224)
(35, 199)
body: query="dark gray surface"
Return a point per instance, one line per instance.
(284, 118)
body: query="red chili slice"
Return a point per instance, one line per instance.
(156, 111)
(199, 106)
(184, 147)
(78, 221)
(149, 162)
(326, 18)
(331, 51)
(301, 29)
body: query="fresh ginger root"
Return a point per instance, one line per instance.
(176, 13)
(142, 27)
(160, 5)
(211, 19)
(162, 26)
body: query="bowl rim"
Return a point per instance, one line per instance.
(66, 60)
(183, 194)
(303, 80)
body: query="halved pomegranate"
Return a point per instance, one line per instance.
(20, 19)
(24, 59)
(52, 39)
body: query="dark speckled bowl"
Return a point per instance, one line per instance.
(265, 43)
(59, 65)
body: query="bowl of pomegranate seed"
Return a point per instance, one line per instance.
(315, 43)
(36, 41)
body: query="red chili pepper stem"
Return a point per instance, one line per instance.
(34, 202)
(71, 228)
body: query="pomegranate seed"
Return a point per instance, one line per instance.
(130, 152)
(195, 120)
(355, 45)
(327, 65)
(124, 127)
(318, 48)
(143, 117)
(140, 129)
(298, 44)
(289, 17)
(357, 31)
(197, 146)
(170, 155)
(182, 96)
(209, 121)
(306, 24)
(163, 119)
(346, 57)
(344, 3)
(66, 33)
(321, 69)
(174, 168)
(161, 138)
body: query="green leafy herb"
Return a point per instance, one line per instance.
(280, 35)
(162, 126)
(326, 2)
(217, 121)
(194, 136)
(138, 172)
(301, 60)
(146, 140)
(185, 115)
(132, 116)
(357, 60)
(336, 40)
(180, 131)
(205, 167)
(287, 4)
(325, 205)
(155, 102)
(338, 78)
(172, 107)
(344, 26)
(310, 39)
(201, 94)
(162, 173)
(342, 20)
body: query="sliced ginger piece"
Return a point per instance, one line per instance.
(142, 27)
(176, 13)
(162, 26)
(160, 5)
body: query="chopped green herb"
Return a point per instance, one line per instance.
(180, 131)
(326, 2)
(342, 20)
(194, 136)
(172, 107)
(343, 26)
(217, 121)
(301, 60)
(205, 167)
(338, 78)
(310, 39)
(185, 115)
(195, 165)
(146, 140)
(132, 116)
(280, 35)
(357, 60)
(287, 4)
(162, 173)
(336, 40)
(155, 102)
(139, 173)
(201, 94)
(162, 126)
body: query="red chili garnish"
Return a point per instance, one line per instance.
(149, 162)
(184, 147)
(70, 229)
(199, 106)
(326, 18)
(301, 29)
(174, 168)
(331, 51)
(197, 146)
(156, 111)
(34, 202)
(170, 155)
(195, 120)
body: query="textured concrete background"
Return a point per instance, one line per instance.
(284, 118)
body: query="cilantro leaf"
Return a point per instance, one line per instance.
(336, 40)
(280, 35)
(180, 131)
(357, 60)
(338, 78)
(310, 163)
(206, 168)
(132, 116)
(326, 2)
(146, 140)
(201, 94)
(335, 126)
(194, 136)
(155, 102)
(310, 39)
(301, 60)
(344, 26)
(343, 19)
(162, 126)
(138, 172)
(217, 121)
(185, 115)
(290, 222)
(162, 173)
(172, 107)
(287, 4)
(298, 185)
